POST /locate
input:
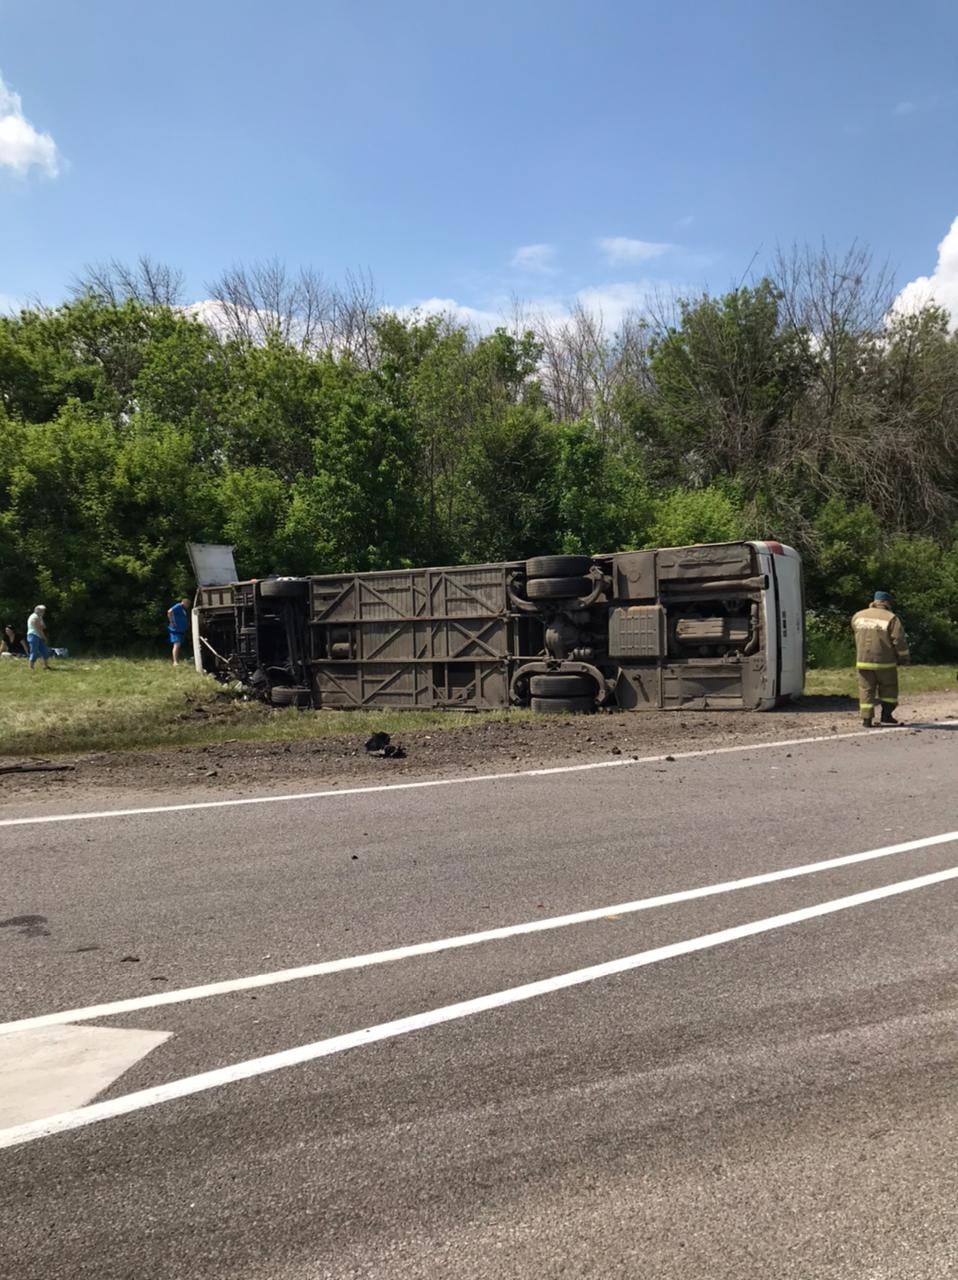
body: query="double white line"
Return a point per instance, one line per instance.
(189, 1085)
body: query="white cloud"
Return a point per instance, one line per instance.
(620, 249)
(257, 324)
(941, 286)
(22, 147)
(473, 317)
(610, 303)
(211, 313)
(535, 257)
(905, 109)
(686, 221)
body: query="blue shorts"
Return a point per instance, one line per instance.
(176, 637)
(38, 647)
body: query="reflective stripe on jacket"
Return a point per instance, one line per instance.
(880, 640)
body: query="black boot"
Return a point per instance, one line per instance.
(868, 724)
(887, 715)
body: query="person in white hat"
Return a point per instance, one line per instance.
(37, 637)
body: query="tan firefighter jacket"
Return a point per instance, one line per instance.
(880, 639)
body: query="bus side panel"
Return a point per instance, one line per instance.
(771, 635)
(791, 624)
(197, 644)
(784, 623)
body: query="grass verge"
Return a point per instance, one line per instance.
(120, 703)
(113, 704)
(843, 681)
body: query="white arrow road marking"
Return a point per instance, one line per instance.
(45, 1071)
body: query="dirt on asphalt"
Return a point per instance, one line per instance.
(487, 746)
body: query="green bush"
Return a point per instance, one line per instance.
(829, 641)
(685, 516)
(850, 557)
(923, 577)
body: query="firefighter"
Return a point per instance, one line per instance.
(881, 646)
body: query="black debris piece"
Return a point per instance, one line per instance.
(37, 768)
(28, 926)
(380, 745)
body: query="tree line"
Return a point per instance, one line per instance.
(318, 432)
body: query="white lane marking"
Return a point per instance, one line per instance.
(453, 782)
(231, 985)
(189, 1085)
(42, 1072)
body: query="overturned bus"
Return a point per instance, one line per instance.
(703, 627)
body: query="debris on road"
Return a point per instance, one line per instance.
(497, 743)
(29, 926)
(381, 745)
(37, 768)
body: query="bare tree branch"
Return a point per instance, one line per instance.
(147, 281)
(264, 302)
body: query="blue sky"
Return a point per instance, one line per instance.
(472, 152)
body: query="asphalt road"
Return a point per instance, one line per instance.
(780, 1102)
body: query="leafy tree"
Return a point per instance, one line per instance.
(327, 434)
(355, 507)
(253, 508)
(87, 350)
(686, 516)
(604, 500)
(509, 492)
(924, 577)
(845, 563)
(455, 392)
(188, 377)
(727, 378)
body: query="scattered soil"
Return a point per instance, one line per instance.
(487, 746)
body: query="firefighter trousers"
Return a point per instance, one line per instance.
(877, 684)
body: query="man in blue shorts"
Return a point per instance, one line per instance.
(178, 618)
(37, 637)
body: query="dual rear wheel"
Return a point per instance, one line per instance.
(562, 694)
(560, 578)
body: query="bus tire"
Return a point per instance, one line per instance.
(562, 685)
(558, 588)
(290, 696)
(558, 566)
(282, 588)
(579, 706)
